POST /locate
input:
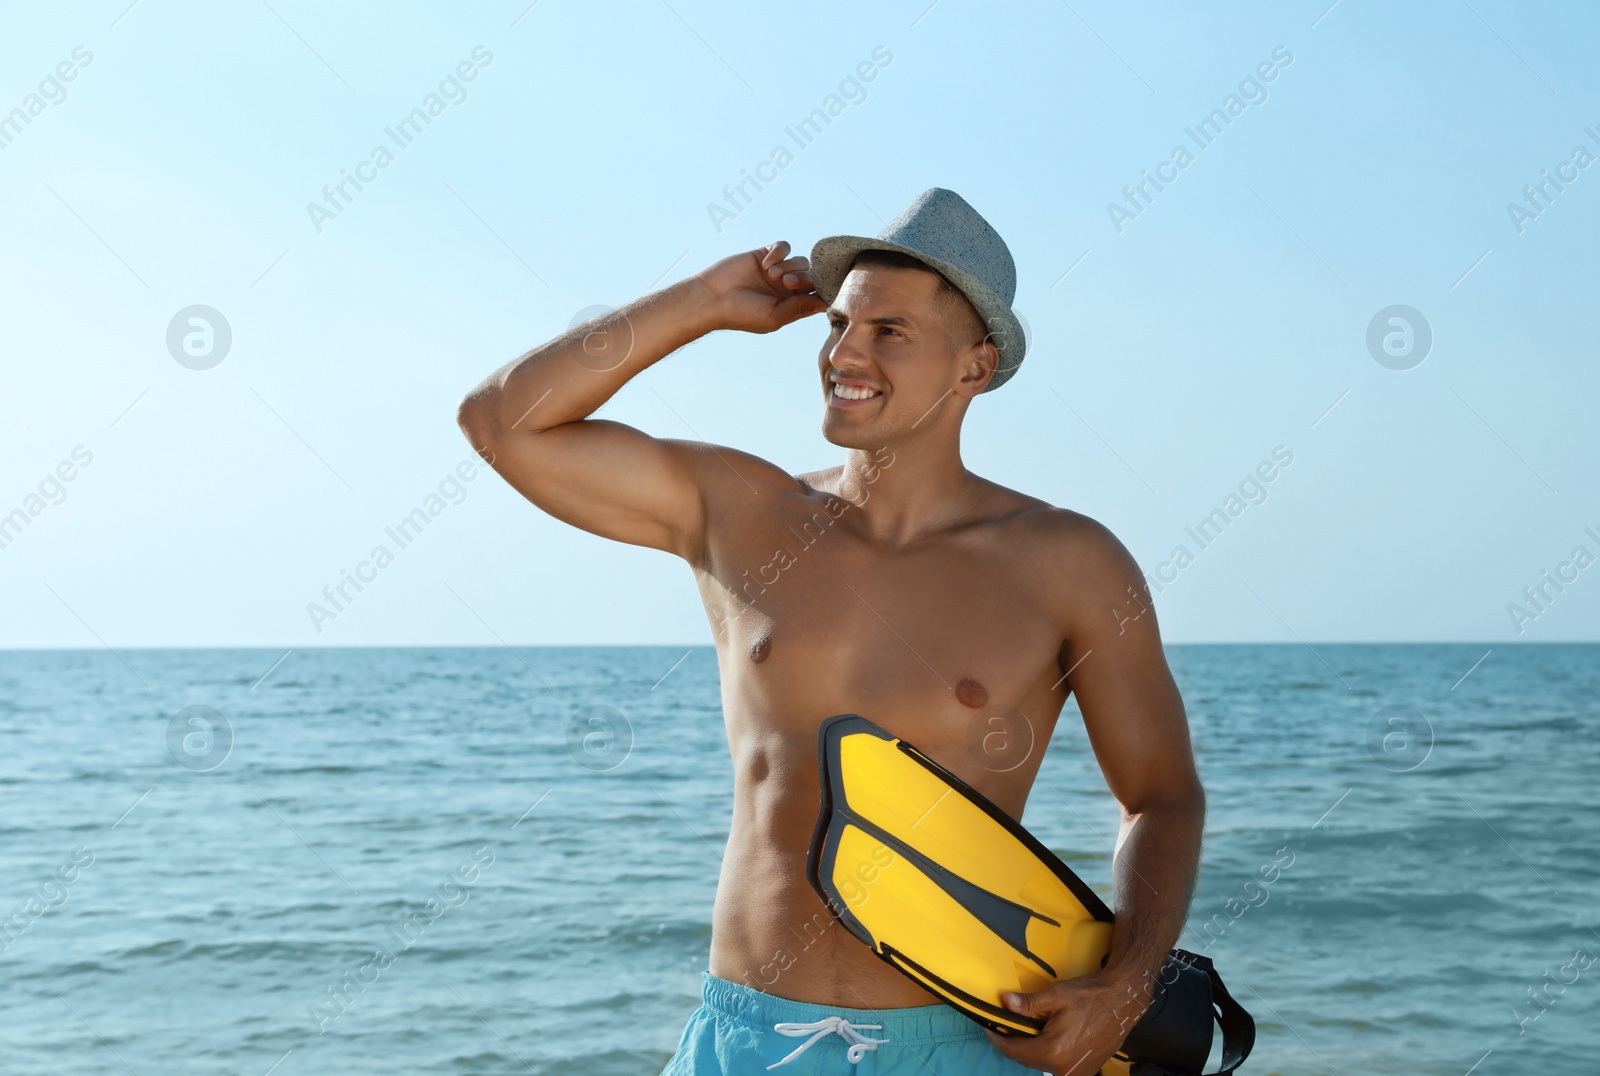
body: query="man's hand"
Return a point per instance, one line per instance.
(1086, 1020)
(762, 290)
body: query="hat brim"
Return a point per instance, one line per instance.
(830, 264)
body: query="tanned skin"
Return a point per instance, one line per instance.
(913, 592)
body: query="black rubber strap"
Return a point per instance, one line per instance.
(1238, 1026)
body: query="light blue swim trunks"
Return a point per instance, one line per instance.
(738, 1031)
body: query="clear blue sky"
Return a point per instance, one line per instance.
(575, 168)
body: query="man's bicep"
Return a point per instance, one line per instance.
(1131, 707)
(611, 480)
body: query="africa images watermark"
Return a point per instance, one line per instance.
(1566, 172)
(1252, 91)
(53, 894)
(851, 91)
(1137, 998)
(1551, 986)
(1400, 738)
(855, 888)
(1540, 596)
(599, 737)
(810, 533)
(408, 529)
(454, 891)
(50, 92)
(50, 491)
(1235, 908)
(337, 197)
(784, 958)
(199, 337)
(1252, 491)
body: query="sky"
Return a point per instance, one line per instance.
(228, 463)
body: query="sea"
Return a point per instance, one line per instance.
(503, 860)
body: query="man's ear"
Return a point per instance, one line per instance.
(982, 359)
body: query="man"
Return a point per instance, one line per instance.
(897, 585)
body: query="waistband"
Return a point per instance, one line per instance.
(922, 1023)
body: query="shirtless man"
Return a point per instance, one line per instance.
(927, 599)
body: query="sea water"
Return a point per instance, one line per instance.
(498, 861)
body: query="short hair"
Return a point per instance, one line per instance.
(961, 319)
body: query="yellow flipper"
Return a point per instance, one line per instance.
(956, 895)
(941, 883)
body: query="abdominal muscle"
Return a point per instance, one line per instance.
(770, 929)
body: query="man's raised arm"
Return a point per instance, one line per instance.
(530, 418)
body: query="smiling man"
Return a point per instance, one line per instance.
(939, 604)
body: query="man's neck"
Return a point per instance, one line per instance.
(902, 492)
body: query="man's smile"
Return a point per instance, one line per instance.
(851, 393)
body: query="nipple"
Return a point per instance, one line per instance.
(760, 649)
(972, 694)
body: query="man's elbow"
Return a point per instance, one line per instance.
(1197, 801)
(1190, 798)
(478, 415)
(1185, 799)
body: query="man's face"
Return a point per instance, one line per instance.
(888, 360)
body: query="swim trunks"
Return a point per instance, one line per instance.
(739, 1031)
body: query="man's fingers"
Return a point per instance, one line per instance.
(794, 274)
(1023, 1050)
(791, 265)
(1026, 1004)
(796, 307)
(775, 253)
(1040, 1053)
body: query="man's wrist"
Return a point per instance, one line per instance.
(1132, 981)
(702, 305)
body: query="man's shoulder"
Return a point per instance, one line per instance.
(1068, 542)
(1051, 524)
(740, 471)
(1041, 522)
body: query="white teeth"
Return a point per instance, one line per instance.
(847, 392)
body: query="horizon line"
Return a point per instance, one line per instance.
(712, 646)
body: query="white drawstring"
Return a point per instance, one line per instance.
(859, 1044)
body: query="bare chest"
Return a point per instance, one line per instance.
(810, 620)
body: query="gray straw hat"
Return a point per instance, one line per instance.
(941, 229)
